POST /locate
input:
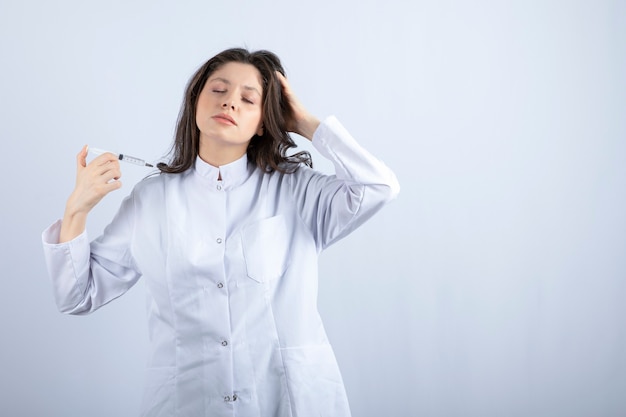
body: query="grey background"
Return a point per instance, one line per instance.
(493, 286)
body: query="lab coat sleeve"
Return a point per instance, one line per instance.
(87, 276)
(334, 205)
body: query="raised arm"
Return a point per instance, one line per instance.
(333, 206)
(86, 276)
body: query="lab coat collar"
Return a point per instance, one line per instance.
(233, 174)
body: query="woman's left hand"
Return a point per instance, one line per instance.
(303, 122)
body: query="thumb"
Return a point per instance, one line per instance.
(81, 158)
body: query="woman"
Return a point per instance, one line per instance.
(227, 238)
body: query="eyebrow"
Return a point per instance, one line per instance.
(245, 87)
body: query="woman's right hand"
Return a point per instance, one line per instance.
(93, 182)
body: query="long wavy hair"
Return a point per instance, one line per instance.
(268, 151)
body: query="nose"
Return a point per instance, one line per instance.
(228, 103)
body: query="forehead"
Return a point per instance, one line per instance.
(238, 73)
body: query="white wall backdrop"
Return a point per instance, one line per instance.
(493, 286)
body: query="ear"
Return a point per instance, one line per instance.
(259, 131)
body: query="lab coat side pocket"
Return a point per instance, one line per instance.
(265, 245)
(158, 392)
(314, 382)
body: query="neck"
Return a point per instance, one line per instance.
(221, 155)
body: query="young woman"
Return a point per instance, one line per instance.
(227, 237)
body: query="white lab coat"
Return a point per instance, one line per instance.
(231, 273)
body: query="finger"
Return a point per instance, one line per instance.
(105, 158)
(280, 76)
(81, 157)
(283, 82)
(109, 170)
(113, 174)
(112, 186)
(100, 167)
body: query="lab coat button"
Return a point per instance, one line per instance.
(224, 343)
(219, 188)
(219, 240)
(234, 397)
(227, 398)
(220, 285)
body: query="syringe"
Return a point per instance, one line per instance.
(121, 157)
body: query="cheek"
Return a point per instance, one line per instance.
(198, 117)
(254, 119)
(202, 109)
(205, 101)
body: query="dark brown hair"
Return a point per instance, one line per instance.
(268, 151)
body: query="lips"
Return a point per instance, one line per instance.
(224, 118)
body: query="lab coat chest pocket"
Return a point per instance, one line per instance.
(265, 245)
